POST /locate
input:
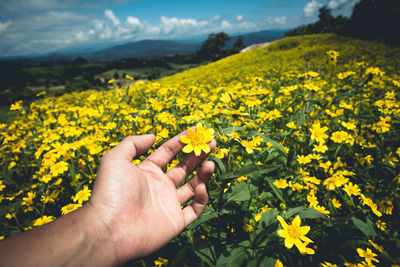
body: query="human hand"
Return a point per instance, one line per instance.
(138, 208)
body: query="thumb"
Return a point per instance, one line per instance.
(131, 146)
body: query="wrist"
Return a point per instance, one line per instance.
(96, 241)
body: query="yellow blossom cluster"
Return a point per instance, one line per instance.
(306, 130)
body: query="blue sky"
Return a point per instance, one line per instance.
(43, 26)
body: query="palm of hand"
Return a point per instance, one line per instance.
(140, 205)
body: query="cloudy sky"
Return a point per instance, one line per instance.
(43, 26)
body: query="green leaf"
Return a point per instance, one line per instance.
(268, 262)
(293, 211)
(220, 164)
(277, 191)
(269, 217)
(253, 171)
(274, 143)
(310, 213)
(232, 257)
(206, 216)
(204, 254)
(240, 192)
(366, 228)
(230, 130)
(304, 213)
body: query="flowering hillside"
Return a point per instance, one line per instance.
(307, 159)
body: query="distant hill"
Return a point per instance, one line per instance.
(139, 49)
(160, 48)
(258, 37)
(144, 48)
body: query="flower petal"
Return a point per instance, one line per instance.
(188, 148)
(282, 221)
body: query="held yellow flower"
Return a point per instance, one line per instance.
(197, 139)
(294, 234)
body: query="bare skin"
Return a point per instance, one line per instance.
(133, 210)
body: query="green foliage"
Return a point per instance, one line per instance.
(370, 20)
(266, 107)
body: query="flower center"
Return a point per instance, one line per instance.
(293, 231)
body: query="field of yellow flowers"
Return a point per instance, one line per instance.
(307, 161)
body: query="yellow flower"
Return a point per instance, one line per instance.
(241, 179)
(322, 209)
(128, 77)
(367, 201)
(367, 254)
(197, 140)
(318, 132)
(221, 152)
(291, 125)
(16, 105)
(383, 125)
(336, 203)
(43, 220)
(339, 136)
(351, 125)
(333, 56)
(278, 263)
(303, 159)
(225, 98)
(281, 183)
(375, 71)
(386, 206)
(320, 148)
(381, 225)
(352, 189)
(377, 247)
(325, 165)
(82, 195)
(274, 114)
(69, 208)
(248, 228)
(249, 145)
(294, 234)
(58, 168)
(160, 262)
(327, 264)
(263, 210)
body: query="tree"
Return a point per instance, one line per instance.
(239, 44)
(212, 47)
(376, 19)
(79, 61)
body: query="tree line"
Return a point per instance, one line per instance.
(370, 20)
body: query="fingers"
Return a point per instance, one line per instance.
(187, 191)
(192, 212)
(165, 153)
(185, 167)
(131, 146)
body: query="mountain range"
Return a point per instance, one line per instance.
(142, 49)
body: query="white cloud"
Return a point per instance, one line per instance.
(50, 31)
(225, 24)
(133, 21)
(175, 25)
(333, 4)
(341, 7)
(338, 7)
(4, 26)
(42, 32)
(277, 20)
(110, 15)
(311, 8)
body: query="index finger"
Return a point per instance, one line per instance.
(166, 152)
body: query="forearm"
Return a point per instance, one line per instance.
(72, 240)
